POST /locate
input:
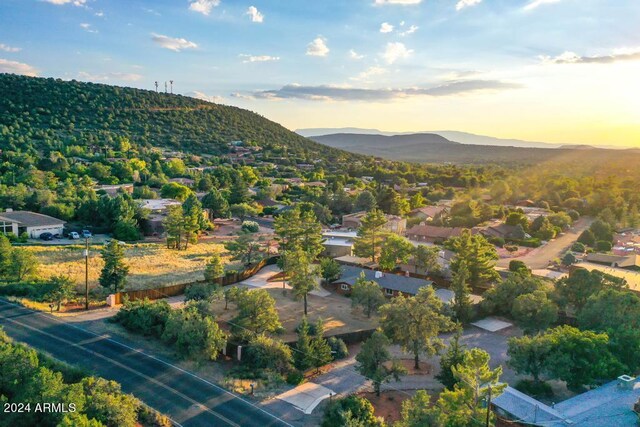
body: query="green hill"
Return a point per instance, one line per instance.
(46, 113)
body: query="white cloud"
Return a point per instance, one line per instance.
(203, 6)
(63, 2)
(535, 3)
(175, 44)
(395, 51)
(467, 3)
(412, 29)
(402, 2)
(255, 14)
(8, 48)
(347, 93)
(624, 54)
(204, 97)
(88, 28)
(259, 58)
(370, 72)
(355, 55)
(99, 14)
(14, 67)
(386, 27)
(125, 77)
(318, 47)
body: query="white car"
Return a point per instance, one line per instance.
(74, 236)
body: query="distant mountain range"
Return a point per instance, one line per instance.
(462, 137)
(436, 148)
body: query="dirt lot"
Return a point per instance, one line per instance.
(388, 405)
(151, 265)
(335, 310)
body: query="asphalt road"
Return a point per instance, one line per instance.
(541, 257)
(181, 395)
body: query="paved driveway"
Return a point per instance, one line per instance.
(540, 258)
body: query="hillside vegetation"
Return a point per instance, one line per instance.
(48, 113)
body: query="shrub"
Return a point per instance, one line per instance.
(603, 246)
(200, 292)
(295, 377)
(250, 227)
(23, 237)
(264, 353)
(518, 266)
(338, 348)
(144, 317)
(532, 242)
(578, 247)
(497, 241)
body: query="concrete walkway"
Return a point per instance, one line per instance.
(306, 397)
(261, 280)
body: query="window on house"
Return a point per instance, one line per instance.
(344, 287)
(388, 292)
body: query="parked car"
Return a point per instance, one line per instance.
(57, 236)
(86, 234)
(46, 236)
(74, 236)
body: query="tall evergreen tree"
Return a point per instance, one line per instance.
(371, 235)
(478, 254)
(114, 273)
(462, 301)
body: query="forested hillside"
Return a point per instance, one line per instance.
(44, 113)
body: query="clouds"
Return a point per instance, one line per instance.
(347, 93)
(88, 28)
(355, 55)
(385, 27)
(105, 77)
(412, 29)
(10, 49)
(537, 3)
(395, 51)
(14, 67)
(616, 56)
(203, 6)
(204, 97)
(63, 2)
(370, 72)
(259, 58)
(400, 2)
(174, 44)
(318, 47)
(254, 14)
(467, 3)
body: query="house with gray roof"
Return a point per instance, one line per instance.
(392, 284)
(613, 404)
(34, 224)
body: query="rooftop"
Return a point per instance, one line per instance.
(30, 219)
(407, 285)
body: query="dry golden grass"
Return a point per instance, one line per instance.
(335, 310)
(150, 265)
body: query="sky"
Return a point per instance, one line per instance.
(561, 71)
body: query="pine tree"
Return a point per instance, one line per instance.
(320, 347)
(302, 356)
(454, 356)
(462, 301)
(114, 273)
(371, 235)
(478, 254)
(302, 274)
(214, 268)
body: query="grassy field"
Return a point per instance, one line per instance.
(150, 265)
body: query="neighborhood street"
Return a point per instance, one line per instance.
(540, 258)
(186, 398)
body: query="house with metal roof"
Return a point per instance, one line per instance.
(612, 404)
(392, 284)
(32, 223)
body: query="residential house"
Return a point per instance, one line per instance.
(112, 190)
(158, 212)
(34, 224)
(184, 181)
(432, 234)
(612, 404)
(394, 224)
(502, 231)
(428, 213)
(338, 243)
(392, 284)
(631, 261)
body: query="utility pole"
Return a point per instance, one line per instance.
(488, 405)
(165, 87)
(171, 82)
(86, 273)
(156, 86)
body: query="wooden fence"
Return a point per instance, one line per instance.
(174, 290)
